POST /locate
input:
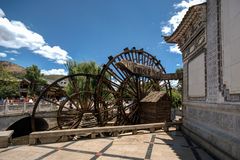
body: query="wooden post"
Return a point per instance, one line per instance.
(165, 128)
(134, 132)
(152, 130)
(115, 134)
(32, 140)
(93, 135)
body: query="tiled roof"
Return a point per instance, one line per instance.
(186, 21)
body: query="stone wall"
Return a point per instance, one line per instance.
(215, 124)
(215, 121)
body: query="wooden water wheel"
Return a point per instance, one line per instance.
(124, 81)
(70, 100)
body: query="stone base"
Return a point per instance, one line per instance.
(215, 126)
(218, 153)
(3, 143)
(5, 138)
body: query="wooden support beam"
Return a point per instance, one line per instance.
(146, 71)
(93, 135)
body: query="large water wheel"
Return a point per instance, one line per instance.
(123, 82)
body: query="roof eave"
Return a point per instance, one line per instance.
(173, 37)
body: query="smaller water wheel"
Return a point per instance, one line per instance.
(70, 100)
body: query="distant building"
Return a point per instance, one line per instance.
(52, 78)
(24, 87)
(209, 38)
(54, 92)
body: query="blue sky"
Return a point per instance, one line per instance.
(47, 33)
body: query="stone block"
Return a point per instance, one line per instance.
(5, 138)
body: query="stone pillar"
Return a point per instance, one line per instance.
(212, 57)
(24, 107)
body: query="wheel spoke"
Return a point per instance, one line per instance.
(51, 101)
(53, 128)
(73, 102)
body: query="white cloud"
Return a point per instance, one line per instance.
(53, 53)
(54, 72)
(189, 3)
(175, 20)
(178, 65)
(166, 29)
(2, 55)
(181, 9)
(2, 14)
(173, 83)
(175, 49)
(15, 35)
(12, 59)
(12, 51)
(160, 44)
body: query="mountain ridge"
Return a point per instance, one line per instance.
(19, 71)
(13, 68)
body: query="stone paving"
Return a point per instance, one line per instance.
(156, 146)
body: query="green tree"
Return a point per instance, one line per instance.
(9, 89)
(176, 99)
(85, 67)
(9, 85)
(81, 83)
(180, 82)
(33, 74)
(177, 91)
(83, 86)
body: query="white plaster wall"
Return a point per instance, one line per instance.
(196, 77)
(230, 19)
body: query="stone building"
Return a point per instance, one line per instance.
(209, 38)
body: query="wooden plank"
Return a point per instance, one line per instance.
(58, 133)
(145, 70)
(95, 130)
